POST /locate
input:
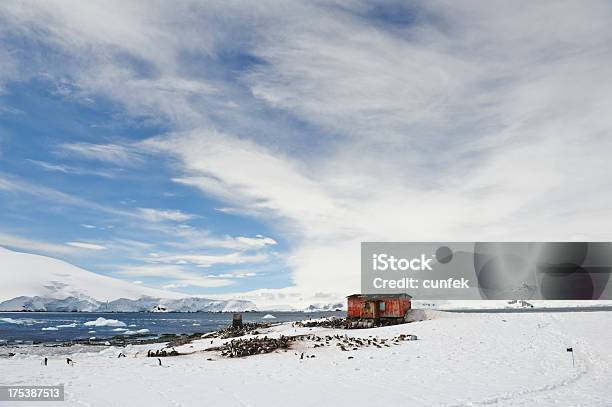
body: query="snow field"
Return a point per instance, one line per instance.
(458, 360)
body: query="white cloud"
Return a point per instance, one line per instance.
(88, 246)
(178, 276)
(178, 238)
(20, 186)
(256, 242)
(7, 185)
(158, 215)
(235, 274)
(112, 153)
(23, 243)
(9, 70)
(248, 175)
(196, 238)
(476, 132)
(202, 260)
(16, 185)
(67, 169)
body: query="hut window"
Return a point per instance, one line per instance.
(381, 306)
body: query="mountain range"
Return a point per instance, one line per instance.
(38, 283)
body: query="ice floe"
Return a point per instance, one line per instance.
(140, 331)
(105, 322)
(12, 321)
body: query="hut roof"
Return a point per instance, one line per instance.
(374, 297)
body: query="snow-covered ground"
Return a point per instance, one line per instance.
(458, 360)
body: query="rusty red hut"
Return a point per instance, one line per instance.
(390, 307)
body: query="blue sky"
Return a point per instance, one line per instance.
(128, 207)
(245, 148)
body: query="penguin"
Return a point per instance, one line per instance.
(69, 362)
(45, 361)
(159, 361)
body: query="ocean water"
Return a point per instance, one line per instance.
(51, 327)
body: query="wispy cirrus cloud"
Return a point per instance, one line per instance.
(24, 243)
(20, 186)
(111, 153)
(256, 242)
(68, 169)
(85, 245)
(171, 237)
(157, 215)
(208, 260)
(193, 237)
(177, 276)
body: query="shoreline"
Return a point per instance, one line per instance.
(67, 328)
(181, 339)
(167, 337)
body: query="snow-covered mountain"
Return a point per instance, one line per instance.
(144, 304)
(32, 275)
(37, 283)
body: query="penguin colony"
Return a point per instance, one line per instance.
(256, 346)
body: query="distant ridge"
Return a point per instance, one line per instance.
(38, 283)
(144, 304)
